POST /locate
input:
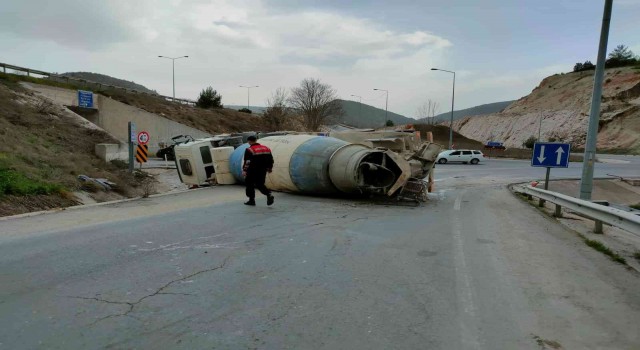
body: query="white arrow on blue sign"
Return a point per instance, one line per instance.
(551, 155)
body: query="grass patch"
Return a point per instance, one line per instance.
(605, 250)
(15, 183)
(637, 255)
(635, 206)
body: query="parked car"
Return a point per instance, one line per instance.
(495, 145)
(460, 155)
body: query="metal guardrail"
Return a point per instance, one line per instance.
(30, 71)
(599, 213)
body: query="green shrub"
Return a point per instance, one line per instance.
(245, 110)
(209, 98)
(15, 183)
(530, 142)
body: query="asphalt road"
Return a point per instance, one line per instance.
(474, 268)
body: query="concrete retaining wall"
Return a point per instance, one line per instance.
(109, 151)
(113, 116)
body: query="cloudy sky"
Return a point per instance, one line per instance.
(500, 49)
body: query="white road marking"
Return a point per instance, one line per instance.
(457, 203)
(468, 319)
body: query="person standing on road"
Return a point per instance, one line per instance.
(258, 161)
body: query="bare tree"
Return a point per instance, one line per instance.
(316, 102)
(277, 113)
(422, 112)
(435, 106)
(427, 111)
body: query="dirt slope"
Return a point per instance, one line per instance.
(563, 102)
(44, 148)
(210, 120)
(441, 136)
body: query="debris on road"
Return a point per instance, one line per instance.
(91, 184)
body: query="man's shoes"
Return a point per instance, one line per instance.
(270, 199)
(251, 202)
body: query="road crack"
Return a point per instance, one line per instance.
(160, 291)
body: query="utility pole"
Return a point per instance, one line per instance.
(386, 106)
(586, 182)
(453, 98)
(173, 69)
(248, 89)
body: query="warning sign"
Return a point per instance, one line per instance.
(142, 153)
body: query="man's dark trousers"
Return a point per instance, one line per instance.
(255, 179)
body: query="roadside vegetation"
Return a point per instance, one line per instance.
(42, 152)
(597, 245)
(316, 102)
(621, 56)
(209, 98)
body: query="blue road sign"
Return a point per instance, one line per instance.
(85, 99)
(551, 155)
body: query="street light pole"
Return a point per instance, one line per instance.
(173, 70)
(386, 105)
(586, 182)
(248, 89)
(540, 127)
(453, 98)
(360, 109)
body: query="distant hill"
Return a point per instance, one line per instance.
(107, 80)
(477, 110)
(369, 116)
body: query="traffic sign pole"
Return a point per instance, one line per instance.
(132, 136)
(546, 186)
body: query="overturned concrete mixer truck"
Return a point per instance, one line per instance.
(353, 162)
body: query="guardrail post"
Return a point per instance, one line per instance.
(558, 212)
(598, 228)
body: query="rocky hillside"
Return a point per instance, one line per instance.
(563, 102)
(476, 111)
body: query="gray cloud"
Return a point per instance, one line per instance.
(84, 24)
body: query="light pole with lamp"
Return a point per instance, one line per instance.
(173, 64)
(360, 109)
(453, 96)
(386, 105)
(248, 89)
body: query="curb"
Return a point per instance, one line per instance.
(84, 206)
